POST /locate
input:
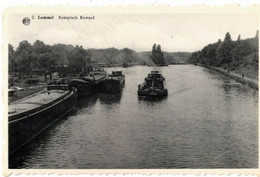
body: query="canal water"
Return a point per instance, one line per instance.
(207, 121)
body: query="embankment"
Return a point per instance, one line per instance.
(239, 78)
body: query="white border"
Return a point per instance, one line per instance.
(92, 3)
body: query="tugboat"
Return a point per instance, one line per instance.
(31, 115)
(153, 86)
(113, 83)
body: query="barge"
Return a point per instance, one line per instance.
(84, 86)
(31, 115)
(90, 83)
(153, 86)
(114, 83)
(97, 75)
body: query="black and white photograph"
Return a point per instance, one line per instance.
(132, 90)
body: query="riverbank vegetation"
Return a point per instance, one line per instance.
(40, 57)
(129, 56)
(239, 56)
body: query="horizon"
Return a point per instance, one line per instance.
(174, 32)
(130, 48)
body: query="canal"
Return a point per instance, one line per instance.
(207, 121)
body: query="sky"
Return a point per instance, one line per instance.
(174, 32)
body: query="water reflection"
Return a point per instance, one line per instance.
(151, 99)
(85, 102)
(110, 98)
(229, 85)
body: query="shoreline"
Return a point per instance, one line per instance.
(239, 78)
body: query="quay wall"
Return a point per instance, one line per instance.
(239, 78)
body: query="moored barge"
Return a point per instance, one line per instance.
(90, 83)
(84, 86)
(153, 86)
(97, 75)
(31, 115)
(114, 83)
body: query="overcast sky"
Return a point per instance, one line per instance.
(175, 32)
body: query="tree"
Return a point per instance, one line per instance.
(157, 55)
(238, 38)
(228, 54)
(154, 49)
(40, 47)
(78, 60)
(241, 50)
(224, 51)
(12, 64)
(128, 56)
(47, 60)
(256, 50)
(62, 51)
(23, 53)
(211, 54)
(194, 57)
(109, 55)
(159, 48)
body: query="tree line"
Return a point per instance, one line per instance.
(27, 57)
(39, 56)
(228, 52)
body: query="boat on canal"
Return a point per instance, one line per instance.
(84, 86)
(153, 86)
(89, 84)
(97, 75)
(30, 116)
(114, 83)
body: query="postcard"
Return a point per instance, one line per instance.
(146, 90)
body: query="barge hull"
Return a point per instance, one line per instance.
(24, 129)
(112, 86)
(84, 89)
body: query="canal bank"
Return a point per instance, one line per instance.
(239, 78)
